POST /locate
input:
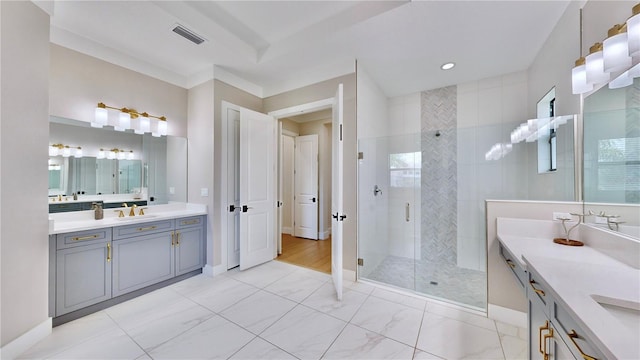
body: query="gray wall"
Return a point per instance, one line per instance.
(24, 131)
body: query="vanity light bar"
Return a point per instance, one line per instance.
(617, 56)
(142, 122)
(65, 150)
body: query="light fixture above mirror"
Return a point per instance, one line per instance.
(617, 57)
(130, 119)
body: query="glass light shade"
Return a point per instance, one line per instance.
(78, 152)
(621, 81)
(594, 65)
(634, 72)
(130, 155)
(145, 124)
(155, 128)
(633, 33)
(162, 127)
(121, 155)
(53, 151)
(101, 118)
(66, 152)
(579, 83)
(124, 122)
(615, 51)
(111, 155)
(101, 154)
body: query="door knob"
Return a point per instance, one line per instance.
(246, 208)
(313, 199)
(233, 208)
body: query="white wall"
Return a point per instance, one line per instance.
(24, 131)
(79, 82)
(200, 159)
(288, 143)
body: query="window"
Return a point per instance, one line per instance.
(619, 164)
(404, 169)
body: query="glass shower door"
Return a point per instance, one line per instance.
(389, 209)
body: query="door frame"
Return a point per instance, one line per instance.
(277, 114)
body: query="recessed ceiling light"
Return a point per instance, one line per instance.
(447, 66)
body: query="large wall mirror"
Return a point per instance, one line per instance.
(103, 164)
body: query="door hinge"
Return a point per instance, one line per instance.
(360, 262)
(360, 155)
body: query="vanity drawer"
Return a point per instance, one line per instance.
(518, 271)
(191, 221)
(573, 335)
(81, 238)
(538, 292)
(142, 229)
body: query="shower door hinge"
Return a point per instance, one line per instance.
(360, 262)
(360, 155)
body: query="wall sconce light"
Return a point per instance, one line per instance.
(130, 119)
(116, 154)
(618, 55)
(65, 150)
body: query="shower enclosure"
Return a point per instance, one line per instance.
(408, 209)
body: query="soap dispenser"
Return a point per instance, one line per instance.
(99, 213)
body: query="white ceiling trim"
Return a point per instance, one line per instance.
(234, 80)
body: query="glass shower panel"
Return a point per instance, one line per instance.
(389, 209)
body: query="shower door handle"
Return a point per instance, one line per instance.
(407, 212)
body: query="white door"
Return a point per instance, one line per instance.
(258, 191)
(306, 187)
(233, 190)
(337, 210)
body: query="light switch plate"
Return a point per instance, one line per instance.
(172, 190)
(204, 192)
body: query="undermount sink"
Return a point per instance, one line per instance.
(625, 311)
(137, 217)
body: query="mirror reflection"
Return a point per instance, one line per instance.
(100, 164)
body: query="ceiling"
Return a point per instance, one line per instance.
(280, 45)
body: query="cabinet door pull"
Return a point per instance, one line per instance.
(573, 335)
(538, 291)
(510, 263)
(543, 327)
(546, 337)
(190, 222)
(108, 252)
(147, 228)
(177, 238)
(173, 239)
(80, 238)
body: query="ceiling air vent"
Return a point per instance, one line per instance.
(188, 34)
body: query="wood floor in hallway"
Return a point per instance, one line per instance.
(312, 254)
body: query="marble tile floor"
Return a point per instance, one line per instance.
(280, 311)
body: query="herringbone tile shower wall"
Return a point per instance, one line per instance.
(439, 175)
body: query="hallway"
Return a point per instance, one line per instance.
(312, 254)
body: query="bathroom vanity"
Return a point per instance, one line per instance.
(98, 263)
(583, 302)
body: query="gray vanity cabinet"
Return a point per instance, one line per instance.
(142, 260)
(544, 340)
(83, 276)
(189, 245)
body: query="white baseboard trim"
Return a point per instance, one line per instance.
(348, 275)
(18, 346)
(219, 269)
(287, 230)
(324, 235)
(508, 316)
(208, 270)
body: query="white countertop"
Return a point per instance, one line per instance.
(84, 220)
(574, 275)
